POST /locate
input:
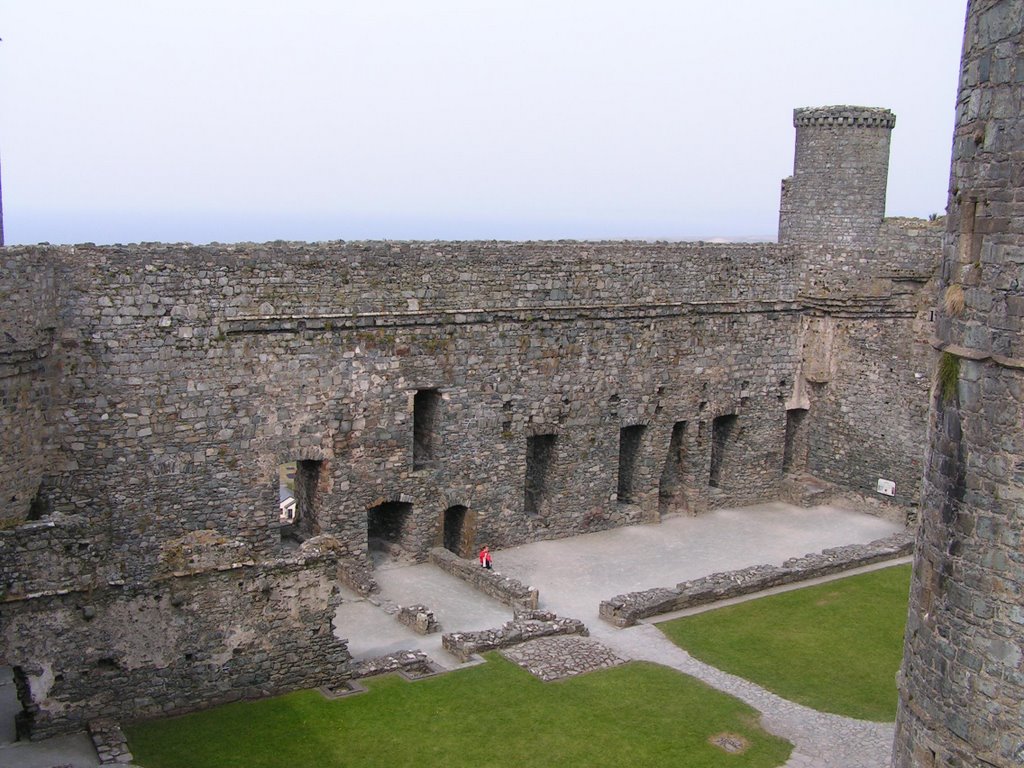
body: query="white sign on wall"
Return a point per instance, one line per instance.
(886, 487)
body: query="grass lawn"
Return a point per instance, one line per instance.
(491, 715)
(835, 647)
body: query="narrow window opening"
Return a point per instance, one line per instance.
(540, 451)
(630, 439)
(387, 530)
(298, 498)
(723, 434)
(39, 507)
(454, 530)
(794, 453)
(23, 708)
(671, 489)
(286, 492)
(426, 408)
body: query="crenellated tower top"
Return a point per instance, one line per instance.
(840, 116)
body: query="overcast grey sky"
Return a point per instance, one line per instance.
(257, 120)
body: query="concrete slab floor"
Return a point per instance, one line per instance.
(574, 575)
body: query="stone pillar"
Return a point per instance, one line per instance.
(840, 170)
(962, 681)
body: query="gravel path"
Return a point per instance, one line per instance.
(821, 740)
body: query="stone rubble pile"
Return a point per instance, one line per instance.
(110, 742)
(527, 625)
(412, 663)
(418, 618)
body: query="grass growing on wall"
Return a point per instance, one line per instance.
(490, 715)
(949, 375)
(835, 647)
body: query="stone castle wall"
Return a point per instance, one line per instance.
(963, 671)
(176, 644)
(192, 375)
(511, 391)
(29, 378)
(864, 354)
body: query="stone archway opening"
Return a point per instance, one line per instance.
(794, 452)
(724, 431)
(672, 490)
(387, 531)
(455, 529)
(630, 440)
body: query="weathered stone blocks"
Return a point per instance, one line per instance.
(527, 625)
(626, 610)
(503, 588)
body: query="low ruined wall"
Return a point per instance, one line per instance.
(180, 643)
(409, 663)
(491, 583)
(626, 610)
(528, 625)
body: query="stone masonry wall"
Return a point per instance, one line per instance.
(193, 373)
(28, 381)
(866, 367)
(502, 588)
(962, 681)
(626, 610)
(175, 644)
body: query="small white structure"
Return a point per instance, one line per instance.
(287, 507)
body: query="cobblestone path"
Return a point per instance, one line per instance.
(555, 658)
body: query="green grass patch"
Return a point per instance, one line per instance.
(490, 715)
(835, 647)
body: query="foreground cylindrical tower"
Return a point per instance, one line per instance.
(962, 682)
(840, 170)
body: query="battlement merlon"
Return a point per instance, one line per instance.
(840, 116)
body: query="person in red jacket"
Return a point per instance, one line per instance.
(485, 558)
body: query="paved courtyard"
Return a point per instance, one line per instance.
(573, 576)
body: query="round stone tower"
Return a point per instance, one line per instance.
(962, 682)
(837, 191)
